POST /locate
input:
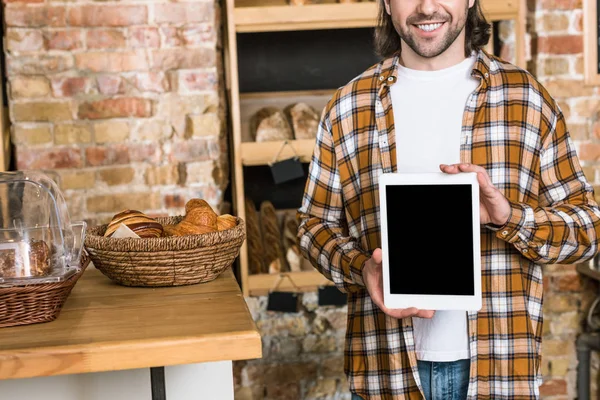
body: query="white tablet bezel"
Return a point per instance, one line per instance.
(431, 302)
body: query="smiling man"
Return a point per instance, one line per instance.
(439, 102)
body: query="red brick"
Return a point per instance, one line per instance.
(563, 44)
(71, 86)
(561, 4)
(105, 39)
(107, 155)
(63, 40)
(33, 17)
(174, 201)
(589, 151)
(24, 40)
(112, 61)
(151, 82)
(553, 387)
(197, 34)
(192, 81)
(22, 1)
(184, 12)
(190, 150)
(110, 84)
(38, 64)
(120, 153)
(49, 158)
(144, 37)
(108, 15)
(116, 108)
(568, 283)
(166, 59)
(171, 36)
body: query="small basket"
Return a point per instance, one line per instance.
(165, 261)
(33, 304)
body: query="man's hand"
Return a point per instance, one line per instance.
(493, 206)
(373, 278)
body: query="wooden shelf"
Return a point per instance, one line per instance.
(587, 270)
(306, 280)
(278, 16)
(265, 152)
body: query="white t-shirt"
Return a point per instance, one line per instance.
(428, 110)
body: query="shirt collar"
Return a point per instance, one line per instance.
(388, 74)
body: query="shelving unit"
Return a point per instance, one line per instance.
(255, 16)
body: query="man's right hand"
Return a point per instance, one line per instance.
(373, 279)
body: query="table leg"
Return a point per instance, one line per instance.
(157, 380)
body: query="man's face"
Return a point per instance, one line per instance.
(429, 27)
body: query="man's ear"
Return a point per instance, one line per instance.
(471, 3)
(388, 8)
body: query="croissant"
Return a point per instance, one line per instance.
(226, 221)
(195, 203)
(202, 216)
(140, 223)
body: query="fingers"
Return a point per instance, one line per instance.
(485, 183)
(408, 312)
(377, 256)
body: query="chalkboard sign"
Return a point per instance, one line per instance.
(303, 60)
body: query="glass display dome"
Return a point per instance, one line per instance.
(38, 241)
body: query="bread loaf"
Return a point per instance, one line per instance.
(269, 124)
(254, 238)
(304, 120)
(12, 266)
(290, 244)
(140, 223)
(273, 254)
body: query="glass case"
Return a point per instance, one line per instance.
(38, 241)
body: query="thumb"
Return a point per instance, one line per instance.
(377, 256)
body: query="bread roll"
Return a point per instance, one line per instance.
(269, 124)
(202, 216)
(269, 226)
(225, 222)
(304, 120)
(254, 238)
(141, 224)
(12, 266)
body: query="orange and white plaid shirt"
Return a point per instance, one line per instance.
(515, 130)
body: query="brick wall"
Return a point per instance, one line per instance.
(122, 100)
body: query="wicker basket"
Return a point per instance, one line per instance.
(165, 261)
(33, 304)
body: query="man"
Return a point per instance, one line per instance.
(439, 102)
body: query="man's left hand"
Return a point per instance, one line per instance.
(493, 206)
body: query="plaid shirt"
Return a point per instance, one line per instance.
(515, 130)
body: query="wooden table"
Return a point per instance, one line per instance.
(107, 327)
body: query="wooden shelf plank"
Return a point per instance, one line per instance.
(587, 270)
(305, 280)
(263, 153)
(257, 18)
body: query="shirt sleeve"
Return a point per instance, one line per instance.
(323, 233)
(564, 228)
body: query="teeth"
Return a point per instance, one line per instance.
(429, 27)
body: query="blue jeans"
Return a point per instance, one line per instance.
(443, 380)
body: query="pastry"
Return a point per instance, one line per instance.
(269, 227)
(195, 203)
(141, 224)
(268, 124)
(304, 120)
(226, 221)
(254, 238)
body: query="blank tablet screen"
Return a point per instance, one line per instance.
(430, 239)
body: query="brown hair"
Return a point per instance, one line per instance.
(387, 40)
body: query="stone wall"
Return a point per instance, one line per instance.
(122, 100)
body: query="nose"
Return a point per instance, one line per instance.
(427, 7)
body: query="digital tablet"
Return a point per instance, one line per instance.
(430, 233)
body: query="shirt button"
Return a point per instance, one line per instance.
(381, 78)
(504, 233)
(487, 75)
(525, 251)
